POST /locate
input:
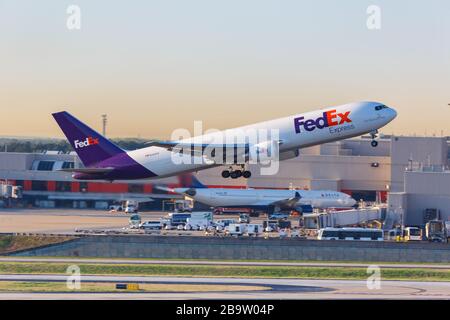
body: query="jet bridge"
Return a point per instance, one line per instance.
(343, 218)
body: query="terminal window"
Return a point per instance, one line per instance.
(68, 165)
(45, 165)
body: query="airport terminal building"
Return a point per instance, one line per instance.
(410, 173)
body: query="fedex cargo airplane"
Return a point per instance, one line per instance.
(273, 199)
(103, 160)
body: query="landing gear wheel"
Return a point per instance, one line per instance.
(235, 174)
(246, 174)
(226, 174)
(374, 143)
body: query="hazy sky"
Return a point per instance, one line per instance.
(153, 66)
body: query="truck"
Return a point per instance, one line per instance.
(178, 218)
(199, 221)
(131, 206)
(224, 210)
(183, 205)
(244, 218)
(435, 231)
(447, 229)
(223, 223)
(134, 221)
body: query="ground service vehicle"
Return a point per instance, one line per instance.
(151, 225)
(134, 221)
(183, 205)
(235, 229)
(225, 222)
(244, 218)
(412, 234)
(253, 229)
(447, 229)
(278, 216)
(115, 208)
(435, 231)
(178, 218)
(131, 206)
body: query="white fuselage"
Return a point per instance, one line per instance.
(221, 197)
(295, 132)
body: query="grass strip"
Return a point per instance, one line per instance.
(24, 286)
(9, 243)
(226, 271)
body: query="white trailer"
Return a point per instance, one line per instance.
(253, 229)
(235, 229)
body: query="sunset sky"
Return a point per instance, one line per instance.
(154, 66)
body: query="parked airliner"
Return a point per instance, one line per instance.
(274, 199)
(103, 160)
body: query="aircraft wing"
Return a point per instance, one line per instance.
(198, 149)
(174, 145)
(290, 202)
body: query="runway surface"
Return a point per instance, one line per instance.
(280, 289)
(225, 263)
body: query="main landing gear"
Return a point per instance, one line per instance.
(374, 135)
(235, 174)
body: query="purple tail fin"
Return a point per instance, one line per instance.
(90, 146)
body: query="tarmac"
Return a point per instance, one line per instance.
(279, 289)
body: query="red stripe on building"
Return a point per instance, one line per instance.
(27, 185)
(148, 188)
(349, 192)
(383, 196)
(107, 187)
(51, 185)
(75, 187)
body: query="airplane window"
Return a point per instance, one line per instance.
(380, 107)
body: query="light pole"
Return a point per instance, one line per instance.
(104, 122)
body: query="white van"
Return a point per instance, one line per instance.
(151, 225)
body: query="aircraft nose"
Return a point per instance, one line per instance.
(351, 202)
(392, 113)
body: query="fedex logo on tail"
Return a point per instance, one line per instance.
(84, 143)
(329, 119)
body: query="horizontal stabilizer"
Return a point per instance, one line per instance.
(88, 170)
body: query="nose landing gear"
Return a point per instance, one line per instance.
(374, 135)
(235, 174)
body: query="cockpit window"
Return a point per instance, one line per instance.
(381, 106)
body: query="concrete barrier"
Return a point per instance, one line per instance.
(184, 247)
